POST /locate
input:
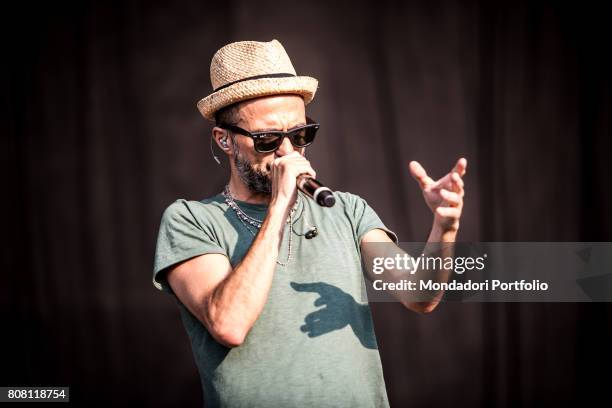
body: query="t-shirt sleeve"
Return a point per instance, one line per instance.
(181, 236)
(365, 218)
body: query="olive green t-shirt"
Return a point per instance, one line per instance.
(313, 344)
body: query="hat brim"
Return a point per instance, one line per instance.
(304, 86)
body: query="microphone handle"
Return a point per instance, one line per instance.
(316, 190)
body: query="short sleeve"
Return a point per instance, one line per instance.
(181, 236)
(365, 218)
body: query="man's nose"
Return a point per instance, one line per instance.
(285, 148)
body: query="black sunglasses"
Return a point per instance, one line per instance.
(270, 140)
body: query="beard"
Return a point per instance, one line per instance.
(257, 181)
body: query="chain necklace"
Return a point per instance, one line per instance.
(251, 223)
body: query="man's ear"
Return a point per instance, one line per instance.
(222, 139)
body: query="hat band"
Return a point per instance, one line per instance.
(281, 75)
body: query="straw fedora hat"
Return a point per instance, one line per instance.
(250, 69)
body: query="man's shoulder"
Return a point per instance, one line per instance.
(349, 201)
(346, 198)
(199, 209)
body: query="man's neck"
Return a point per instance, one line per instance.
(241, 192)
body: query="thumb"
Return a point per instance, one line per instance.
(419, 174)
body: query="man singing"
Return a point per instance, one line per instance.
(269, 282)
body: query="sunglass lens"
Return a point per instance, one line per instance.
(267, 143)
(303, 137)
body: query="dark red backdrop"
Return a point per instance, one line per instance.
(101, 133)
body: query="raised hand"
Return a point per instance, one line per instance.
(443, 196)
(284, 171)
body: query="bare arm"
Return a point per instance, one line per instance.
(228, 301)
(436, 236)
(445, 199)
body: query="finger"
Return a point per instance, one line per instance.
(290, 162)
(290, 158)
(460, 166)
(419, 174)
(457, 184)
(451, 197)
(304, 169)
(457, 179)
(451, 212)
(297, 164)
(292, 154)
(289, 165)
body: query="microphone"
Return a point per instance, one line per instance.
(316, 190)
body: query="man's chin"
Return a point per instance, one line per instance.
(257, 180)
(261, 186)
